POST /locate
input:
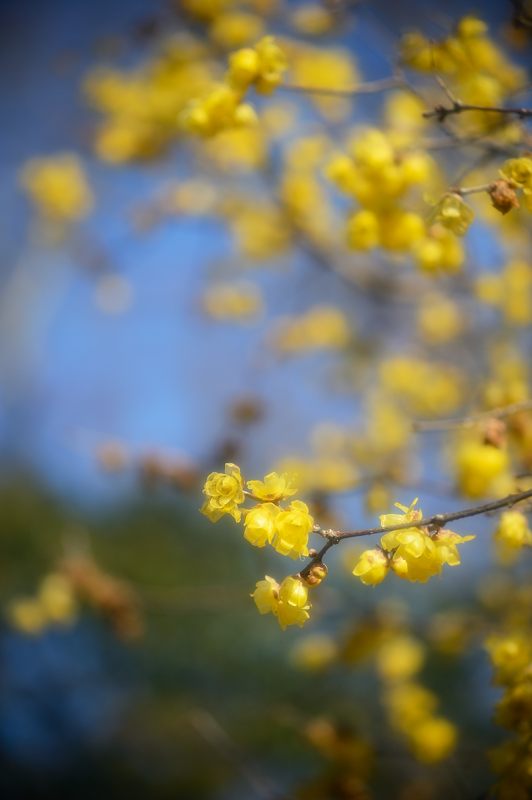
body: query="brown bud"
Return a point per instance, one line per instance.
(247, 410)
(316, 574)
(495, 432)
(503, 196)
(112, 456)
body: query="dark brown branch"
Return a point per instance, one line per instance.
(441, 112)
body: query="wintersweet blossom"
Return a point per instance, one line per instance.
(273, 488)
(225, 492)
(287, 601)
(292, 529)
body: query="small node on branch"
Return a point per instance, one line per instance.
(495, 432)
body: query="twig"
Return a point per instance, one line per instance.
(465, 190)
(472, 419)
(382, 85)
(441, 112)
(437, 521)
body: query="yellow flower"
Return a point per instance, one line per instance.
(293, 605)
(260, 524)
(454, 214)
(433, 739)
(513, 530)
(235, 29)
(446, 549)
(57, 599)
(314, 652)
(478, 466)
(272, 64)
(292, 529)
(400, 657)
(288, 602)
(372, 567)
(410, 514)
(218, 110)
(273, 488)
(266, 595)
(518, 170)
(320, 328)
(238, 302)
(415, 556)
(363, 230)
(510, 654)
(58, 187)
(225, 491)
(244, 68)
(27, 615)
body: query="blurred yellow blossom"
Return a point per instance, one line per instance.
(320, 328)
(58, 187)
(232, 301)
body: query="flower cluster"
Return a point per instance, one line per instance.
(286, 529)
(511, 657)
(413, 553)
(478, 71)
(409, 705)
(54, 604)
(320, 328)
(260, 67)
(377, 175)
(287, 601)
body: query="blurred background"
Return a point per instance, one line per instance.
(126, 378)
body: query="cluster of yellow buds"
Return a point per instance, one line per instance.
(413, 553)
(377, 175)
(260, 67)
(409, 705)
(54, 604)
(511, 656)
(478, 70)
(58, 187)
(411, 708)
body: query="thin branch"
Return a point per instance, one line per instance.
(459, 422)
(465, 190)
(370, 87)
(436, 521)
(441, 112)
